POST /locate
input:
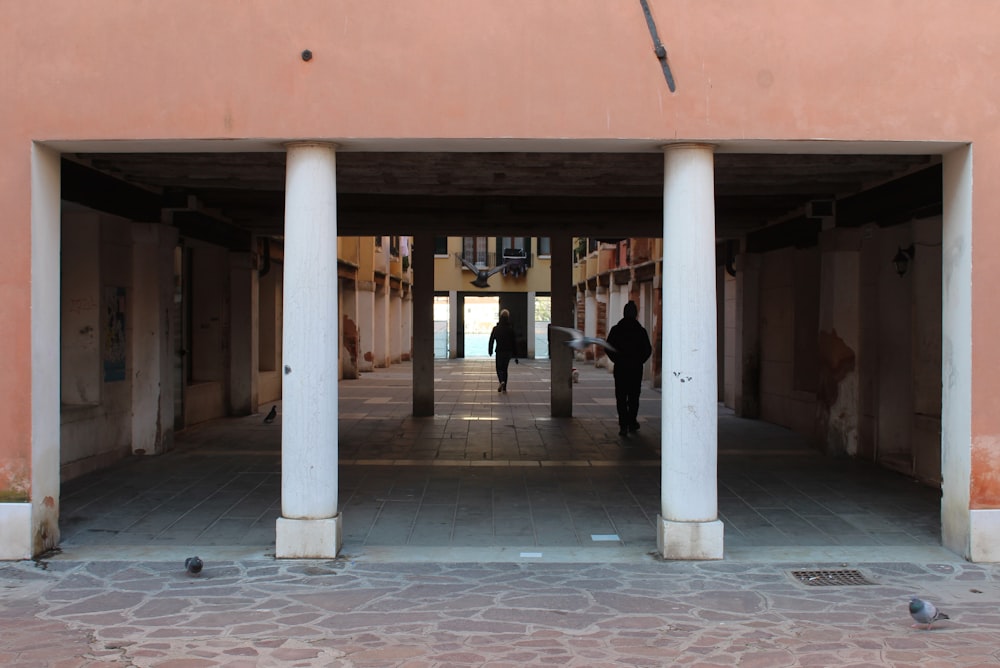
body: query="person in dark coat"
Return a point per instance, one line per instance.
(502, 337)
(631, 350)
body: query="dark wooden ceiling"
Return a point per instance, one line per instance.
(531, 194)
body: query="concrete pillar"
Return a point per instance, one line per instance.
(29, 514)
(529, 333)
(561, 368)
(969, 526)
(838, 399)
(310, 524)
(453, 328)
(617, 298)
(152, 345)
(423, 324)
(244, 348)
(747, 384)
(366, 325)
(380, 345)
(590, 311)
(395, 326)
(407, 323)
(688, 526)
(349, 332)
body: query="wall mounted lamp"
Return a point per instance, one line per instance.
(902, 259)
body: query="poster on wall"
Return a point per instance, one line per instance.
(114, 334)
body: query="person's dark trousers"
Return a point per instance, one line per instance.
(628, 384)
(503, 361)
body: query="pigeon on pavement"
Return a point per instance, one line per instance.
(579, 341)
(193, 565)
(483, 274)
(924, 613)
(271, 415)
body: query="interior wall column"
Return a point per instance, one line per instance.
(688, 526)
(423, 324)
(747, 385)
(152, 350)
(310, 523)
(244, 345)
(561, 356)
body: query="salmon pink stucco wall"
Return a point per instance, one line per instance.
(577, 74)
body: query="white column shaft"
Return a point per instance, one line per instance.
(309, 394)
(689, 404)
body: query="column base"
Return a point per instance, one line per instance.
(308, 539)
(15, 531)
(689, 540)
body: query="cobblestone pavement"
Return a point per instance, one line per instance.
(645, 612)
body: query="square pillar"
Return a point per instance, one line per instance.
(423, 324)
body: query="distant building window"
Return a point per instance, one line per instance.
(474, 249)
(440, 245)
(544, 246)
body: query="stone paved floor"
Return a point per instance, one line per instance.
(493, 470)
(470, 541)
(346, 613)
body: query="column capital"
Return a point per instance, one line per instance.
(688, 145)
(306, 143)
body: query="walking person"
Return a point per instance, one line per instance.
(503, 338)
(631, 350)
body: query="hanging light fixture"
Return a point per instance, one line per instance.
(902, 259)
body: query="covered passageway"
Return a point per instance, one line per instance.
(760, 247)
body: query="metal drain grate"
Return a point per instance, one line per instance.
(831, 578)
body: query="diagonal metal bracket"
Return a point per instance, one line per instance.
(658, 48)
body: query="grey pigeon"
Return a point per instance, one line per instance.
(924, 613)
(483, 274)
(271, 415)
(579, 341)
(193, 565)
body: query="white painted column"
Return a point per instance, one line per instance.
(29, 522)
(310, 525)
(974, 533)
(688, 526)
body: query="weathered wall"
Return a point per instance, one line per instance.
(568, 73)
(97, 398)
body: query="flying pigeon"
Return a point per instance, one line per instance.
(482, 275)
(924, 613)
(193, 565)
(579, 341)
(271, 415)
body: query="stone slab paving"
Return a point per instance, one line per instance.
(345, 613)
